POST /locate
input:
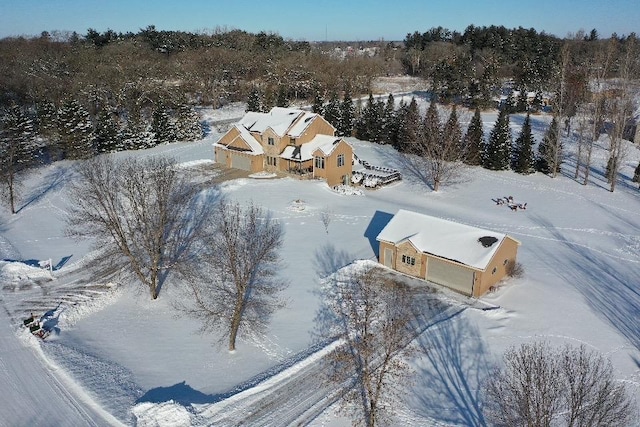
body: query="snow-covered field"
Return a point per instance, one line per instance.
(116, 357)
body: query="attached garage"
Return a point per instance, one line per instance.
(454, 276)
(239, 161)
(466, 259)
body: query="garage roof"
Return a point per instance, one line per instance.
(446, 239)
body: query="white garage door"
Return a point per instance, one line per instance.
(221, 157)
(240, 162)
(450, 275)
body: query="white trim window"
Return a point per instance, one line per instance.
(319, 162)
(272, 161)
(340, 160)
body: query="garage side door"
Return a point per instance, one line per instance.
(450, 275)
(240, 162)
(221, 157)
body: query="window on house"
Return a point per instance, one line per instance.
(409, 260)
(319, 162)
(505, 262)
(272, 161)
(494, 270)
(271, 141)
(340, 160)
(292, 141)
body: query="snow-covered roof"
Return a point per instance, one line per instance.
(324, 143)
(279, 119)
(302, 124)
(442, 238)
(245, 135)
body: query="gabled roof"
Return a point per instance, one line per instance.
(278, 119)
(324, 143)
(250, 141)
(465, 244)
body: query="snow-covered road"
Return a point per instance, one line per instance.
(37, 394)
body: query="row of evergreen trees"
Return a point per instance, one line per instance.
(71, 132)
(401, 126)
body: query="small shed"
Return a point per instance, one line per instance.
(463, 258)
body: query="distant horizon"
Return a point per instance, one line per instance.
(323, 20)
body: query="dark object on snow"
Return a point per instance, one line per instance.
(487, 241)
(29, 321)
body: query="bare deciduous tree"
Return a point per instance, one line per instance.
(440, 147)
(238, 288)
(373, 317)
(540, 386)
(141, 214)
(326, 215)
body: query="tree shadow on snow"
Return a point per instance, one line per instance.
(181, 393)
(53, 180)
(609, 285)
(448, 384)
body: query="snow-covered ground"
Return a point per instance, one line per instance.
(115, 356)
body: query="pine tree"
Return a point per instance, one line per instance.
(162, 126)
(431, 127)
(375, 121)
(497, 152)
(106, 135)
(332, 111)
(410, 126)
(254, 100)
(318, 103)
(18, 149)
(452, 137)
(347, 111)
(509, 104)
(75, 130)
(523, 158)
(188, 127)
(549, 150)
(474, 141)
(389, 128)
(282, 99)
(522, 103)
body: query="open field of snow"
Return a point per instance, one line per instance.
(115, 356)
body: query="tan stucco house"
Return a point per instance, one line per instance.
(287, 140)
(466, 259)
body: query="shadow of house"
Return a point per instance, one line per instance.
(62, 262)
(180, 393)
(377, 223)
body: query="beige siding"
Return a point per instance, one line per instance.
(332, 173)
(407, 250)
(506, 253)
(319, 126)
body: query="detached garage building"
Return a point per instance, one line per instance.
(465, 259)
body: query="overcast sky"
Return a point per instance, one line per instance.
(319, 19)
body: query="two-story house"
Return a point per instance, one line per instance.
(286, 140)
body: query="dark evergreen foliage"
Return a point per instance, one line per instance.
(162, 126)
(106, 135)
(75, 131)
(474, 141)
(332, 110)
(550, 142)
(452, 137)
(254, 100)
(347, 112)
(523, 157)
(497, 152)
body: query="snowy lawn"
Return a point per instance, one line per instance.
(580, 251)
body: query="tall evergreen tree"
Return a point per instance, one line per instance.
(254, 100)
(347, 112)
(522, 103)
(474, 141)
(188, 127)
(282, 99)
(549, 150)
(106, 135)
(162, 126)
(75, 130)
(523, 160)
(497, 152)
(452, 137)
(318, 103)
(18, 149)
(389, 124)
(332, 110)
(431, 126)
(636, 174)
(409, 128)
